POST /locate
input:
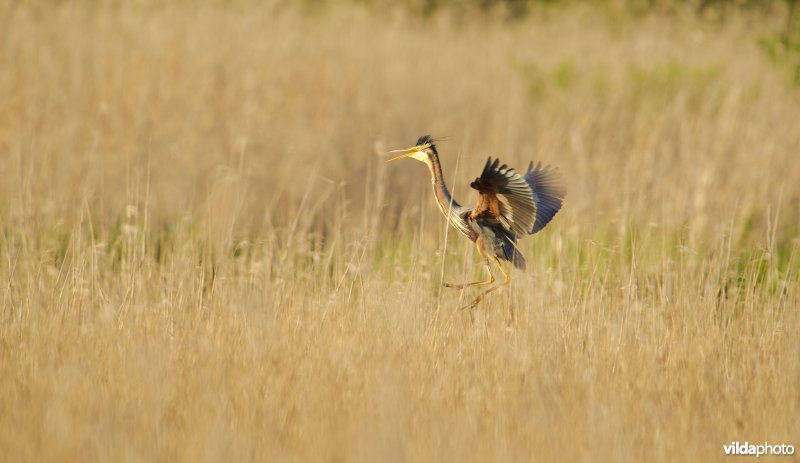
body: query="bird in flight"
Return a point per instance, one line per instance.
(510, 205)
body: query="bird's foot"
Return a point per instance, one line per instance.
(469, 285)
(453, 285)
(474, 303)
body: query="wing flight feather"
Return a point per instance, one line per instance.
(505, 196)
(520, 204)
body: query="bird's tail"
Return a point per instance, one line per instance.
(549, 191)
(512, 254)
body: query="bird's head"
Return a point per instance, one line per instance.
(423, 150)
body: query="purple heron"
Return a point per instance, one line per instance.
(510, 205)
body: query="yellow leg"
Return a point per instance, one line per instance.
(506, 280)
(488, 281)
(506, 275)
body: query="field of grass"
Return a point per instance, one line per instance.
(204, 257)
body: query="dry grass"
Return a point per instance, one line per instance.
(204, 259)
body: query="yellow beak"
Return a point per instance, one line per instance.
(406, 153)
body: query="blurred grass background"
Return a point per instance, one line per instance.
(204, 256)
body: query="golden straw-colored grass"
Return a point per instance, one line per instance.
(204, 256)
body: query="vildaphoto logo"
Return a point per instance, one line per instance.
(746, 448)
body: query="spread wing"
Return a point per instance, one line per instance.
(520, 204)
(505, 197)
(549, 191)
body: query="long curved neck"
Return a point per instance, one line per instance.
(443, 198)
